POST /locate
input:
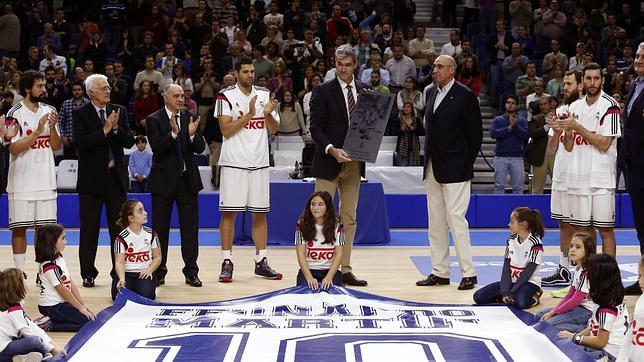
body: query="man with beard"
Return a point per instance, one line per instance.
(593, 125)
(375, 82)
(573, 87)
(31, 184)
(55, 92)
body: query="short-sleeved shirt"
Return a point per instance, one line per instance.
(51, 274)
(248, 148)
(137, 248)
(613, 320)
(32, 173)
(590, 170)
(319, 256)
(523, 253)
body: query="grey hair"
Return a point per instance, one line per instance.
(169, 85)
(346, 50)
(449, 58)
(641, 46)
(90, 82)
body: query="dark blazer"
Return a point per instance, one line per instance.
(453, 134)
(92, 145)
(631, 152)
(329, 125)
(491, 43)
(537, 148)
(163, 175)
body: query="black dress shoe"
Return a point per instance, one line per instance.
(467, 283)
(88, 282)
(194, 281)
(633, 289)
(350, 279)
(432, 280)
(160, 281)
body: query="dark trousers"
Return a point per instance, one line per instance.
(491, 293)
(143, 287)
(319, 275)
(64, 317)
(635, 185)
(69, 152)
(188, 209)
(138, 186)
(90, 207)
(20, 346)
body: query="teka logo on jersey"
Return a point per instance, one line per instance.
(137, 257)
(41, 142)
(579, 140)
(255, 123)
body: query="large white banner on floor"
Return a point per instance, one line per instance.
(296, 324)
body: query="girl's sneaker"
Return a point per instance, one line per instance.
(29, 357)
(560, 293)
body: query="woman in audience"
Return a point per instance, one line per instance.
(291, 117)
(408, 143)
(409, 93)
(146, 102)
(316, 80)
(181, 78)
(280, 82)
(470, 75)
(555, 85)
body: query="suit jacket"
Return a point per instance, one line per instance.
(537, 148)
(491, 43)
(453, 134)
(329, 125)
(92, 145)
(163, 175)
(631, 152)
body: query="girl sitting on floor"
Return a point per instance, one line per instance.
(319, 239)
(606, 331)
(520, 283)
(573, 312)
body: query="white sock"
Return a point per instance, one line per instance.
(227, 254)
(260, 254)
(19, 260)
(563, 261)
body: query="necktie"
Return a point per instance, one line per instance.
(179, 147)
(110, 155)
(351, 101)
(633, 96)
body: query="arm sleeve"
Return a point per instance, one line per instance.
(506, 280)
(525, 276)
(572, 300)
(496, 131)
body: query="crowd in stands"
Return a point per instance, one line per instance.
(512, 47)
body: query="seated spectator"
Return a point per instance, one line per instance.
(291, 116)
(243, 44)
(409, 93)
(511, 134)
(146, 102)
(280, 82)
(51, 59)
(376, 84)
(376, 66)
(190, 103)
(273, 53)
(140, 163)
(470, 75)
(408, 142)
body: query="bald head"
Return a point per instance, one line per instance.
(174, 97)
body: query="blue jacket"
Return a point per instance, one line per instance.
(510, 143)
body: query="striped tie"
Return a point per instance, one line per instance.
(352, 102)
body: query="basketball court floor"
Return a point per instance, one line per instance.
(391, 270)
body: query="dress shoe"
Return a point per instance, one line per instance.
(160, 281)
(194, 281)
(633, 289)
(350, 279)
(432, 280)
(467, 283)
(88, 282)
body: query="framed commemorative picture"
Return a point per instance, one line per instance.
(368, 124)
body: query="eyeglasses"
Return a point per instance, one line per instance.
(105, 89)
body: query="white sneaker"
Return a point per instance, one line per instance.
(29, 357)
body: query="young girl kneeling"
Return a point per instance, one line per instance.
(520, 278)
(136, 252)
(319, 238)
(59, 298)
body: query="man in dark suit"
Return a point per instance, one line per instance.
(631, 153)
(101, 132)
(542, 163)
(175, 138)
(331, 106)
(453, 136)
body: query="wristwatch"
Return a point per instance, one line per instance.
(577, 338)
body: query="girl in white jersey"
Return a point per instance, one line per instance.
(575, 309)
(319, 238)
(633, 348)
(60, 299)
(20, 338)
(606, 331)
(520, 283)
(136, 252)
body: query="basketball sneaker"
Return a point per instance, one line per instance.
(43, 322)
(560, 293)
(226, 275)
(536, 297)
(29, 357)
(262, 270)
(561, 277)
